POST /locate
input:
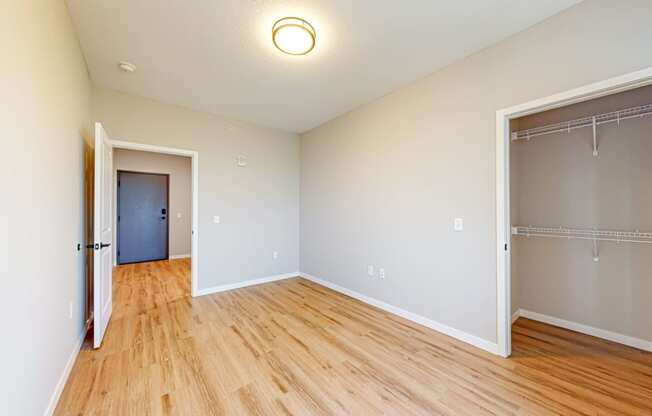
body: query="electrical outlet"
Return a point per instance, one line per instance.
(216, 219)
(275, 255)
(70, 310)
(458, 224)
(370, 270)
(381, 273)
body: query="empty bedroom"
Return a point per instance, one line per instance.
(326, 207)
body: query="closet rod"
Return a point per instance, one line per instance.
(567, 126)
(584, 234)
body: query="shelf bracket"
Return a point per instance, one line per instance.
(596, 252)
(595, 137)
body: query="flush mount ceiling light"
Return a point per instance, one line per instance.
(294, 36)
(127, 66)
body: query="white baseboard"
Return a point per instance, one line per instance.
(516, 315)
(179, 256)
(439, 327)
(238, 285)
(588, 330)
(54, 399)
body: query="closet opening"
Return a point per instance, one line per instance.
(575, 220)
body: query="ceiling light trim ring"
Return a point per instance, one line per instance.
(292, 21)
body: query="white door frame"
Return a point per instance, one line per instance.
(194, 250)
(503, 224)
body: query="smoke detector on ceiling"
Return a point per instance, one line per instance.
(127, 66)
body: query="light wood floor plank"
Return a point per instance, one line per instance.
(295, 348)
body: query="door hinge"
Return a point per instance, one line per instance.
(505, 246)
(118, 218)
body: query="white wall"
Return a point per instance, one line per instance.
(44, 97)
(258, 204)
(561, 183)
(180, 191)
(382, 184)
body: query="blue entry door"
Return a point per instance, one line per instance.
(143, 217)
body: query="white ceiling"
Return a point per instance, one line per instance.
(217, 55)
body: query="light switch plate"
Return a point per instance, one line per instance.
(458, 224)
(216, 219)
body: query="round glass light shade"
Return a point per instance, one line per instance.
(293, 36)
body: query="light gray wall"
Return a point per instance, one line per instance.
(45, 94)
(180, 192)
(382, 184)
(514, 209)
(562, 184)
(258, 204)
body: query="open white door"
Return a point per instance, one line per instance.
(103, 234)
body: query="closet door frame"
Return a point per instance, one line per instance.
(503, 223)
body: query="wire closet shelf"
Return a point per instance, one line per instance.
(590, 121)
(584, 234)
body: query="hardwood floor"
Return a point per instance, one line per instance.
(296, 348)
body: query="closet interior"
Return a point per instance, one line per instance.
(581, 216)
